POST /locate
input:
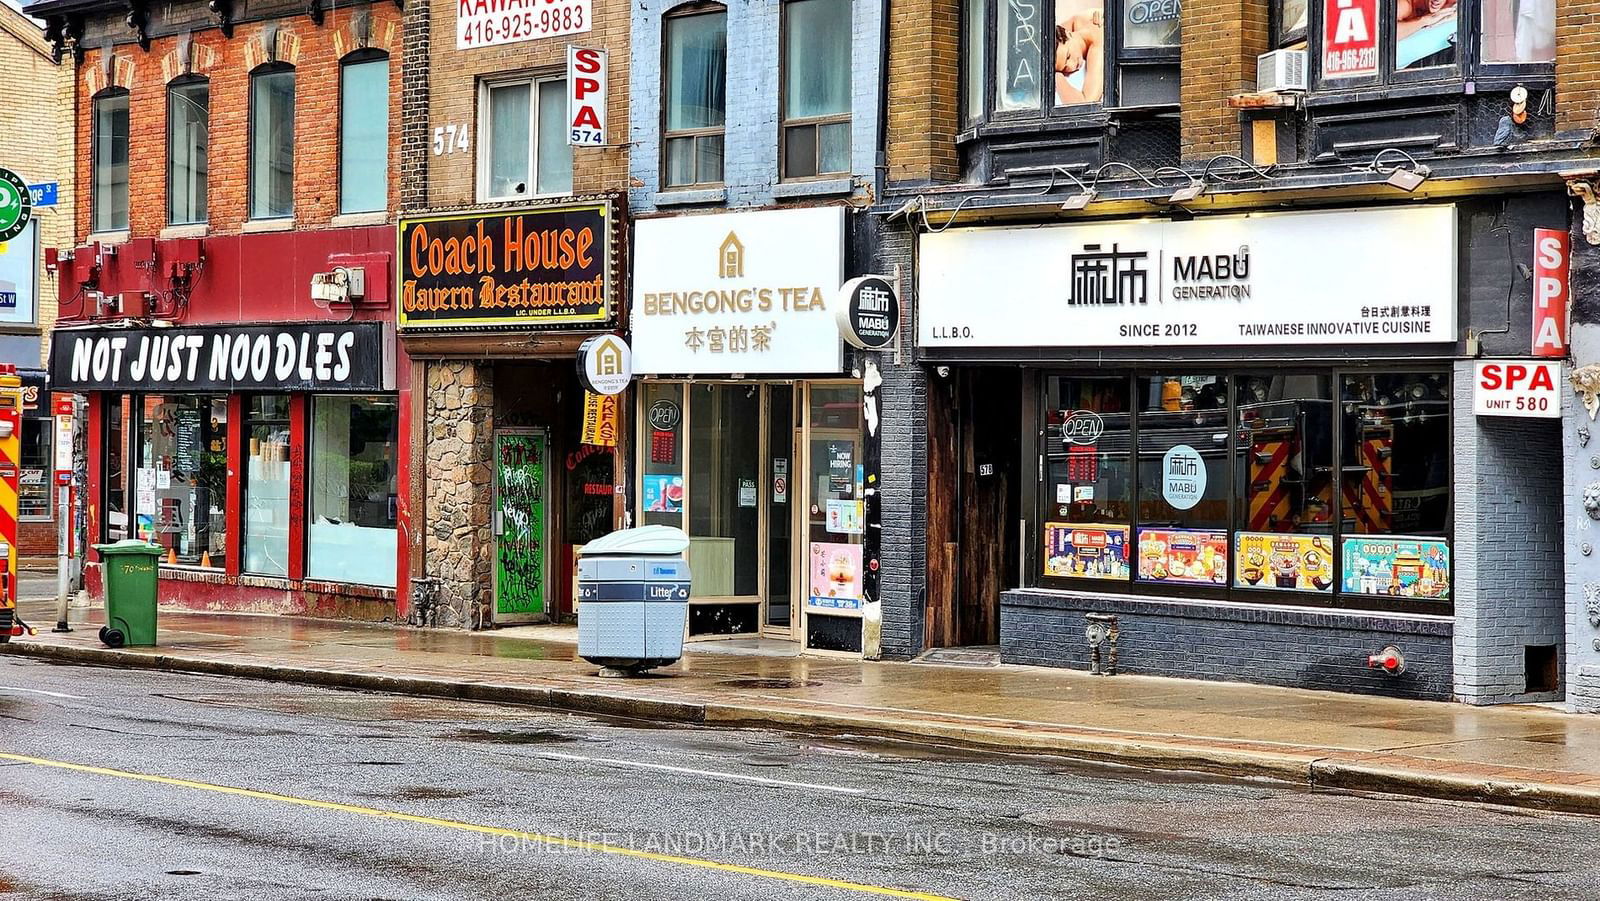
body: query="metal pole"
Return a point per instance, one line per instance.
(63, 560)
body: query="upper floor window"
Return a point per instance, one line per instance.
(1428, 40)
(364, 133)
(816, 87)
(696, 94)
(188, 130)
(272, 143)
(526, 152)
(1124, 53)
(110, 201)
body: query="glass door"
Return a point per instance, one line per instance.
(521, 526)
(834, 517)
(778, 613)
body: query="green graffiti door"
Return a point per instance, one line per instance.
(521, 492)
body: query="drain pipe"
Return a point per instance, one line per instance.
(1390, 660)
(1101, 630)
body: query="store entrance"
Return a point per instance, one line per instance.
(974, 507)
(521, 525)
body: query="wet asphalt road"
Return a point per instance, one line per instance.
(851, 810)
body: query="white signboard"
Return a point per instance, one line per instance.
(738, 293)
(1343, 277)
(586, 97)
(485, 23)
(19, 275)
(1517, 388)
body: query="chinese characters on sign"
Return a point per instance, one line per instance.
(1108, 276)
(485, 23)
(727, 293)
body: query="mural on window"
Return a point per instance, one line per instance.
(1519, 31)
(1080, 60)
(1425, 33)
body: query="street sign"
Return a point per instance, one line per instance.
(16, 206)
(44, 194)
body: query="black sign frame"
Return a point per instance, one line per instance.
(284, 357)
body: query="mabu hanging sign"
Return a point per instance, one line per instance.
(308, 357)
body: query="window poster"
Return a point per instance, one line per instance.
(841, 467)
(1425, 33)
(1085, 551)
(834, 576)
(1397, 566)
(1283, 562)
(1350, 38)
(1080, 61)
(1192, 556)
(663, 493)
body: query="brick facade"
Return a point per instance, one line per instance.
(315, 52)
(1221, 41)
(1577, 66)
(451, 80)
(924, 70)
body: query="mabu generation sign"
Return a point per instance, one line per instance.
(346, 357)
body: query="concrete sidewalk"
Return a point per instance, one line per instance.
(1524, 755)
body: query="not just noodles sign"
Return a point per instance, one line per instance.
(289, 357)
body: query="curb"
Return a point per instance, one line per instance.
(1107, 748)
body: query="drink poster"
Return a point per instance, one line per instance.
(1283, 562)
(1195, 557)
(1085, 551)
(1397, 566)
(834, 576)
(663, 493)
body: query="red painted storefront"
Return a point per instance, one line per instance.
(259, 283)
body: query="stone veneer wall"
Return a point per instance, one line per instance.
(459, 539)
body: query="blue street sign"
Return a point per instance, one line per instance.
(44, 194)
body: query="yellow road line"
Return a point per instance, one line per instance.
(780, 875)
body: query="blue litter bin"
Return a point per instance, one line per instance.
(633, 596)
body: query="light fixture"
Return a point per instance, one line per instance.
(1407, 176)
(1188, 192)
(1084, 197)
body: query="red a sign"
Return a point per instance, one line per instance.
(1552, 248)
(1349, 38)
(586, 97)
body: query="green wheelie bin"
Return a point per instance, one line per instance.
(129, 569)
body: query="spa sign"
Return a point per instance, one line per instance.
(738, 293)
(351, 356)
(543, 267)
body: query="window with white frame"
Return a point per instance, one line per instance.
(816, 88)
(524, 147)
(364, 132)
(695, 95)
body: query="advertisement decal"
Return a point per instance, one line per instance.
(1193, 556)
(1397, 566)
(1283, 562)
(834, 580)
(1090, 551)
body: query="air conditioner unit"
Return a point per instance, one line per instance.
(1281, 71)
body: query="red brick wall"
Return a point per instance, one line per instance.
(1221, 39)
(314, 51)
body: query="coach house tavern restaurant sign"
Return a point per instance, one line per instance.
(281, 357)
(1341, 277)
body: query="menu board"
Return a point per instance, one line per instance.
(1196, 557)
(186, 441)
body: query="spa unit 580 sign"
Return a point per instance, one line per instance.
(1344, 277)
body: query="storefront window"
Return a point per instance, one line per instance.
(116, 473)
(1017, 55)
(1254, 483)
(33, 496)
(1183, 479)
(724, 482)
(836, 514)
(180, 483)
(266, 485)
(1519, 31)
(353, 490)
(1088, 485)
(662, 453)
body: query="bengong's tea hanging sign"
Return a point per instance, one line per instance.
(544, 267)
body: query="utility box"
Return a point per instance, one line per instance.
(633, 595)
